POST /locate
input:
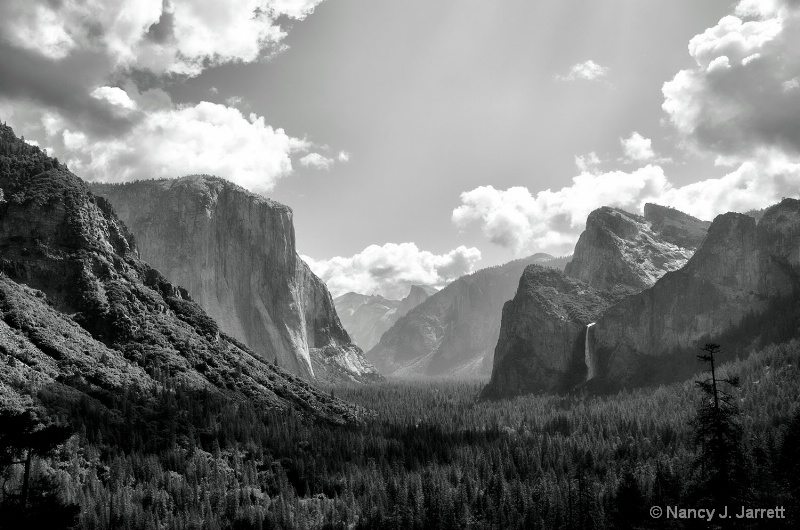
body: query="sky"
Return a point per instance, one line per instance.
(417, 141)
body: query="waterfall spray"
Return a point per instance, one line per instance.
(588, 357)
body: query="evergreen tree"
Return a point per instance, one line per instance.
(24, 438)
(717, 431)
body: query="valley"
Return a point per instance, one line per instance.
(542, 393)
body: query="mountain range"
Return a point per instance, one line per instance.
(85, 308)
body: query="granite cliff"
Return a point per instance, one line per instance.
(82, 316)
(234, 252)
(652, 300)
(623, 252)
(367, 317)
(740, 289)
(545, 344)
(454, 332)
(541, 347)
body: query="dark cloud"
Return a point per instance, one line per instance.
(62, 85)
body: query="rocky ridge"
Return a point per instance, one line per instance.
(234, 251)
(81, 315)
(627, 253)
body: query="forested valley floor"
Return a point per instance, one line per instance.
(431, 456)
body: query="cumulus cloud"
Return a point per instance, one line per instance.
(637, 148)
(551, 221)
(162, 36)
(167, 141)
(587, 71)
(114, 96)
(741, 99)
(343, 156)
(390, 270)
(316, 161)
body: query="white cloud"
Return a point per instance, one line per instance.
(390, 270)
(343, 156)
(739, 99)
(637, 148)
(167, 141)
(316, 161)
(551, 221)
(177, 37)
(587, 70)
(114, 96)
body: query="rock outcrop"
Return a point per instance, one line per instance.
(627, 253)
(367, 317)
(453, 333)
(81, 313)
(543, 336)
(740, 289)
(234, 251)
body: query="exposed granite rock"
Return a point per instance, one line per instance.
(676, 227)
(542, 340)
(739, 289)
(624, 252)
(366, 317)
(81, 311)
(453, 333)
(234, 251)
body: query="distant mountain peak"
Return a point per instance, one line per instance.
(366, 318)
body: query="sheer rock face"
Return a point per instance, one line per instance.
(234, 251)
(366, 317)
(739, 289)
(453, 333)
(543, 334)
(81, 313)
(628, 253)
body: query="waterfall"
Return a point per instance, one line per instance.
(588, 357)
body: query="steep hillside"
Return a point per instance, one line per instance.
(234, 252)
(367, 317)
(453, 333)
(542, 342)
(740, 289)
(627, 253)
(83, 315)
